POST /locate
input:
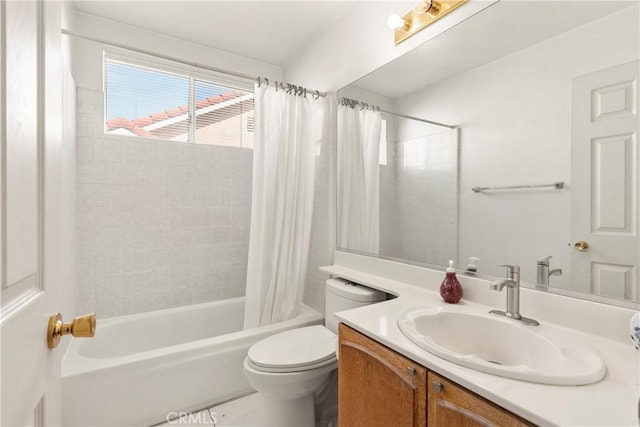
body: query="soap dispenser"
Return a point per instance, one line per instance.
(451, 289)
(472, 267)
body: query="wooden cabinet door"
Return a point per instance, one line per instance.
(377, 386)
(452, 405)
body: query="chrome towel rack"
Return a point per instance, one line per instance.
(556, 185)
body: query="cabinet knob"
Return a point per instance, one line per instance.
(411, 371)
(437, 387)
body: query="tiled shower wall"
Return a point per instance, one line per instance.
(418, 199)
(322, 242)
(389, 243)
(160, 224)
(427, 195)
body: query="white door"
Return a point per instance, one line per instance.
(604, 182)
(32, 208)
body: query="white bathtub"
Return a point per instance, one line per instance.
(140, 367)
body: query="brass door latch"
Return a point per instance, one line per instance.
(82, 326)
(581, 246)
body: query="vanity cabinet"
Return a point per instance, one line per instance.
(452, 405)
(379, 387)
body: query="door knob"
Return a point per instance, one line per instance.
(82, 326)
(581, 246)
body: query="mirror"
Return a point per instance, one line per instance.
(543, 96)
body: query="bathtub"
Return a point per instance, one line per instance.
(140, 367)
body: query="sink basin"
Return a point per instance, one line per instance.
(499, 346)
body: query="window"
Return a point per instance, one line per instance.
(178, 106)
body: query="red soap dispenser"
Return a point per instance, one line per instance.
(451, 289)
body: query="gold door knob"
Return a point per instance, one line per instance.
(83, 326)
(581, 246)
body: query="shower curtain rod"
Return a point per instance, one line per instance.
(404, 116)
(289, 88)
(354, 102)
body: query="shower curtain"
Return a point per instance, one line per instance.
(289, 129)
(358, 187)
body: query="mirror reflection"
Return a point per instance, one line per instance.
(544, 106)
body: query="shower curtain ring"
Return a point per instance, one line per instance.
(259, 81)
(316, 95)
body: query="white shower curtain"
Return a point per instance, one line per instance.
(358, 188)
(289, 129)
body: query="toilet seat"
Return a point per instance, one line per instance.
(286, 370)
(295, 350)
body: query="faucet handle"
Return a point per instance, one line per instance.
(545, 260)
(510, 269)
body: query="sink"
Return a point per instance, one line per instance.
(499, 346)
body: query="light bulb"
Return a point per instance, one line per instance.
(395, 21)
(430, 7)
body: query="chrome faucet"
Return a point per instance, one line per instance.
(544, 273)
(512, 283)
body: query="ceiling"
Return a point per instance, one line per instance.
(270, 31)
(500, 30)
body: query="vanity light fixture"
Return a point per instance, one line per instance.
(426, 13)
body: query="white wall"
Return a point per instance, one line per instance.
(515, 119)
(87, 56)
(360, 41)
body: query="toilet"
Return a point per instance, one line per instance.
(293, 369)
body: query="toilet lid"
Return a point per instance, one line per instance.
(295, 348)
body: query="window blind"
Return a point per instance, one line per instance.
(150, 103)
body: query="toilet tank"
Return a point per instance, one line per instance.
(343, 295)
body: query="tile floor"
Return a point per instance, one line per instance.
(243, 412)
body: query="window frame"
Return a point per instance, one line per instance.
(157, 64)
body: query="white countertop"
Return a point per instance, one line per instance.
(613, 401)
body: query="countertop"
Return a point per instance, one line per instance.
(613, 401)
